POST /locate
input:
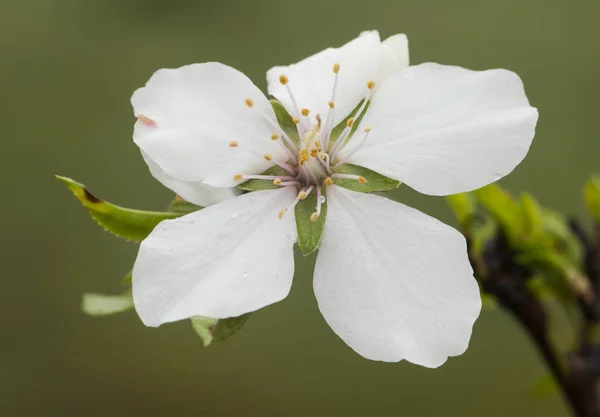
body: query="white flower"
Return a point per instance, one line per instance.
(392, 282)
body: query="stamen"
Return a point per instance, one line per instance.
(356, 148)
(283, 79)
(328, 181)
(281, 213)
(358, 178)
(268, 157)
(320, 201)
(336, 68)
(277, 181)
(305, 112)
(331, 104)
(289, 142)
(371, 85)
(331, 112)
(234, 144)
(146, 120)
(241, 177)
(314, 152)
(314, 217)
(301, 196)
(275, 136)
(296, 120)
(249, 103)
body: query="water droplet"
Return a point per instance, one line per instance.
(322, 199)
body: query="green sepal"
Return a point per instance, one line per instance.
(179, 205)
(214, 330)
(464, 208)
(375, 181)
(591, 193)
(259, 185)
(337, 131)
(99, 305)
(126, 223)
(309, 232)
(286, 121)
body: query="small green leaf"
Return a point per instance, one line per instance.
(286, 121)
(179, 205)
(337, 131)
(309, 232)
(214, 330)
(375, 181)
(464, 208)
(259, 185)
(99, 305)
(532, 216)
(591, 193)
(502, 207)
(122, 222)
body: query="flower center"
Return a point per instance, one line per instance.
(311, 164)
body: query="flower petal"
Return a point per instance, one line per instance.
(445, 130)
(311, 80)
(188, 116)
(394, 283)
(223, 261)
(194, 192)
(395, 56)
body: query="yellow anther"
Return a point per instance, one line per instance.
(275, 136)
(336, 68)
(234, 144)
(314, 152)
(302, 195)
(322, 155)
(249, 102)
(281, 213)
(304, 155)
(268, 157)
(238, 177)
(305, 112)
(331, 104)
(328, 181)
(318, 144)
(350, 122)
(277, 181)
(362, 180)
(371, 85)
(314, 217)
(367, 129)
(283, 79)
(296, 120)
(179, 198)
(146, 120)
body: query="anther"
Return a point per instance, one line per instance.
(275, 136)
(268, 157)
(304, 155)
(336, 68)
(234, 144)
(305, 112)
(146, 120)
(328, 181)
(302, 195)
(238, 177)
(331, 104)
(367, 129)
(314, 217)
(350, 122)
(318, 144)
(281, 213)
(283, 79)
(296, 120)
(277, 181)
(314, 153)
(362, 180)
(249, 102)
(371, 85)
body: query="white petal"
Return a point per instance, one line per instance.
(445, 130)
(395, 56)
(311, 80)
(197, 111)
(223, 261)
(394, 283)
(194, 192)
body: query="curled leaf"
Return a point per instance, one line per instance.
(99, 305)
(214, 330)
(126, 223)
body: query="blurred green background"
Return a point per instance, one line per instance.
(67, 70)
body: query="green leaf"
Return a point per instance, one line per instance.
(214, 330)
(179, 205)
(464, 208)
(99, 305)
(591, 193)
(531, 214)
(337, 131)
(286, 121)
(309, 232)
(375, 181)
(259, 185)
(502, 207)
(122, 222)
